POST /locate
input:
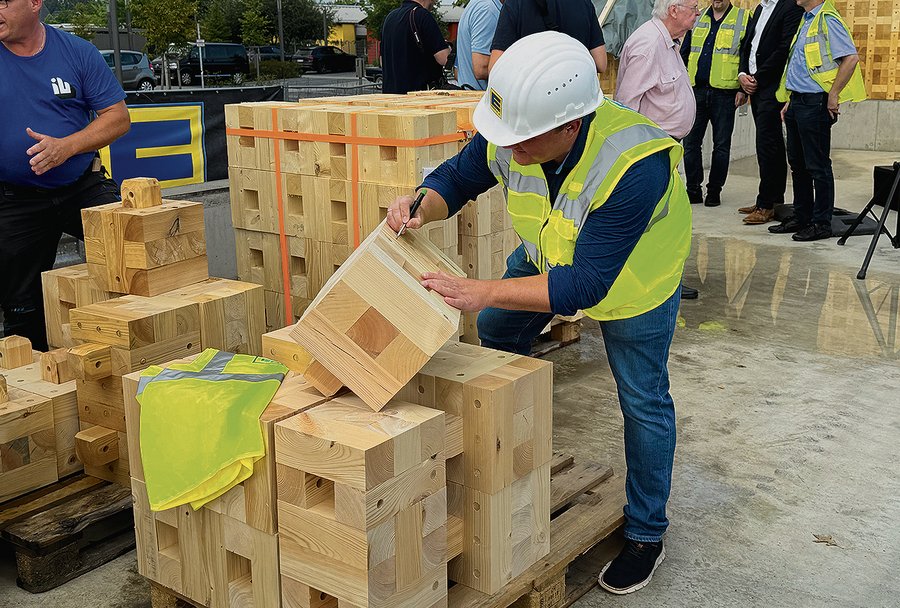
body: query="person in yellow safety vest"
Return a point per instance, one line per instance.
(593, 192)
(712, 55)
(822, 73)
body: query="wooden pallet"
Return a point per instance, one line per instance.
(64, 530)
(586, 499)
(562, 333)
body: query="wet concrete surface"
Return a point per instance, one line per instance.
(786, 379)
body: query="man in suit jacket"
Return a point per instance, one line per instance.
(770, 31)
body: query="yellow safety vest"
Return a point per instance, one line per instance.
(819, 62)
(726, 58)
(618, 138)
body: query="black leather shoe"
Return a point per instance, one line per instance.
(689, 293)
(813, 232)
(696, 198)
(787, 226)
(713, 199)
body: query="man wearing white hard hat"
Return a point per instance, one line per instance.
(594, 194)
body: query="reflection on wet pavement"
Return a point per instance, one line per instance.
(788, 296)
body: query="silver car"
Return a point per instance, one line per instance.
(137, 74)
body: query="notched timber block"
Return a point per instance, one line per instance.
(97, 446)
(373, 325)
(27, 444)
(55, 366)
(15, 351)
(90, 361)
(141, 193)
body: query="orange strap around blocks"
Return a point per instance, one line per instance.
(354, 140)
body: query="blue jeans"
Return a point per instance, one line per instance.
(714, 106)
(808, 126)
(638, 352)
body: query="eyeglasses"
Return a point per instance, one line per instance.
(694, 8)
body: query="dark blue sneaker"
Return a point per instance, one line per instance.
(633, 568)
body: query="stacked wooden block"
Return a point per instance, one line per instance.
(498, 487)
(144, 245)
(314, 180)
(224, 555)
(38, 418)
(64, 289)
(362, 505)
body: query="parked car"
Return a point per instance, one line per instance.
(374, 74)
(266, 53)
(220, 60)
(325, 59)
(136, 71)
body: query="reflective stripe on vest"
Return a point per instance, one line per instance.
(820, 63)
(217, 368)
(617, 139)
(723, 72)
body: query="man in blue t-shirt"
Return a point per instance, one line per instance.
(52, 85)
(576, 18)
(413, 50)
(473, 42)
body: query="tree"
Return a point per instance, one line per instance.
(85, 17)
(214, 25)
(304, 21)
(165, 22)
(256, 29)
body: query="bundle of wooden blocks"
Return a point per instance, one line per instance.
(314, 180)
(130, 333)
(144, 245)
(38, 418)
(224, 555)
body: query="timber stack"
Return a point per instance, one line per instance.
(309, 180)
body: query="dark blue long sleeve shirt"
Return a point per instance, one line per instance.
(609, 233)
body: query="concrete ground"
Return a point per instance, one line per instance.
(786, 381)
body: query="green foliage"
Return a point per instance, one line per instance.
(214, 25)
(303, 21)
(276, 70)
(165, 22)
(256, 29)
(86, 16)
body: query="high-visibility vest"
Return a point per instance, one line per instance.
(723, 73)
(820, 63)
(199, 425)
(618, 138)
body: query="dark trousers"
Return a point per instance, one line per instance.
(770, 150)
(716, 107)
(32, 221)
(808, 125)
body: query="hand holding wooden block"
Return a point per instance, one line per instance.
(141, 193)
(373, 325)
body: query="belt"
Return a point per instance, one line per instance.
(804, 97)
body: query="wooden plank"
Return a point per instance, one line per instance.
(566, 486)
(46, 498)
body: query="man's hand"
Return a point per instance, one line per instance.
(398, 213)
(740, 99)
(470, 295)
(48, 153)
(748, 83)
(784, 110)
(833, 106)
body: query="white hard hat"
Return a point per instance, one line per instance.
(541, 82)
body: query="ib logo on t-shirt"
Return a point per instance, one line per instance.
(62, 89)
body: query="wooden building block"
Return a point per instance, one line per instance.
(275, 317)
(246, 150)
(15, 351)
(4, 390)
(484, 257)
(27, 444)
(232, 314)
(64, 289)
(504, 533)
(66, 425)
(141, 192)
(279, 346)
(259, 261)
(298, 595)
(485, 215)
(55, 366)
(145, 251)
(505, 402)
(254, 201)
(90, 361)
(374, 202)
(343, 442)
(373, 325)
(403, 165)
(100, 403)
(317, 159)
(131, 322)
(97, 446)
